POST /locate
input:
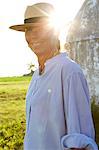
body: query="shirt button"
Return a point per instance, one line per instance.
(49, 90)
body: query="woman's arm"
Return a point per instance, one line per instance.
(77, 112)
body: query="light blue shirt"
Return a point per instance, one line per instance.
(58, 109)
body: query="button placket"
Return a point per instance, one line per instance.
(35, 87)
(33, 91)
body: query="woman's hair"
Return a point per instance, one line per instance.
(58, 44)
(68, 46)
(55, 39)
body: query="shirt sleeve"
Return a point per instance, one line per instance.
(77, 108)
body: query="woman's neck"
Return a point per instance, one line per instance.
(42, 59)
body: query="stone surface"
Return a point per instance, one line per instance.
(83, 37)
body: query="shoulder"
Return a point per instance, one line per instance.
(69, 66)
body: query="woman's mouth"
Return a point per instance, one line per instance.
(34, 44)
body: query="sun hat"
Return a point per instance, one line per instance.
(33, 14)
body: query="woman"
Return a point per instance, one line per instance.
(58, 114)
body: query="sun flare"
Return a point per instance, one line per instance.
(62, 17)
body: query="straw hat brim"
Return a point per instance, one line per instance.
(21, 27)
(33, 14)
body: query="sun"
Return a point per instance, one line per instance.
(61, 19)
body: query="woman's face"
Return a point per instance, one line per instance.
(38, 37)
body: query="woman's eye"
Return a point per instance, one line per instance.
(28, 29)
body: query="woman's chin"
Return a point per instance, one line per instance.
(34, 45)
(37, 50)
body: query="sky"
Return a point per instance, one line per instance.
(15, 55)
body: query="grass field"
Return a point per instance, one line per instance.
(12, 112)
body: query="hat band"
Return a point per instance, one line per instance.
(34, 19)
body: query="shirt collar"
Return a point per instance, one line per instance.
(50, 62)
(55, 58)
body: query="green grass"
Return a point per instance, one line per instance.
(12, 112)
